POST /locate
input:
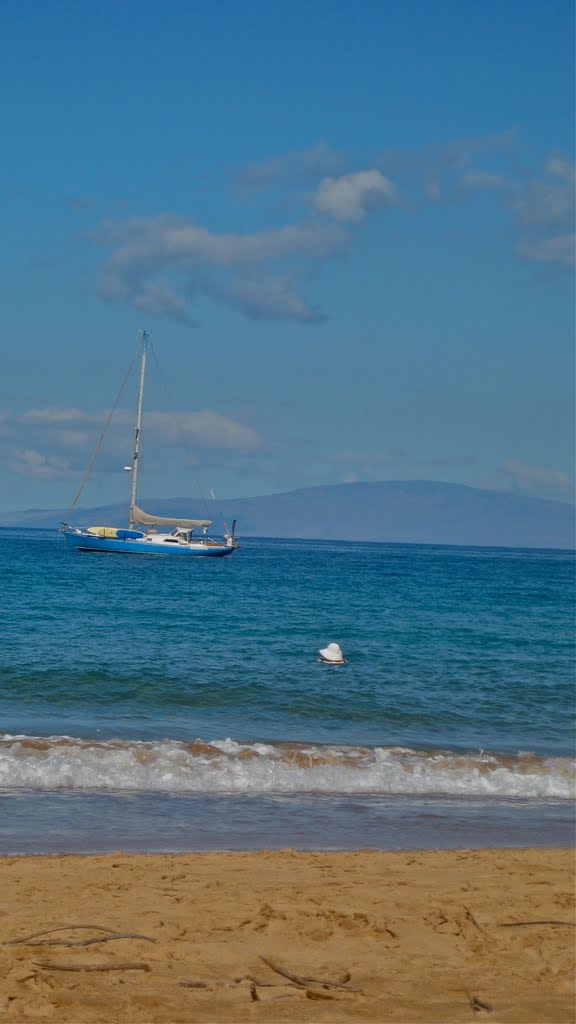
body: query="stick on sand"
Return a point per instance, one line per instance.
(90, 967)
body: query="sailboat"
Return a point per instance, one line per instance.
(159, 535)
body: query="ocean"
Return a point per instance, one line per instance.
(166, 704)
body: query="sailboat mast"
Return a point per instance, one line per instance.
(138, 427)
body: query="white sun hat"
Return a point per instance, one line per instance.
(332, 653)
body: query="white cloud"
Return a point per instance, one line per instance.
(160, 263)
(57, 442)
(266, 299)
(152, 297)
(350, 197)
(206, 426)
(143, 243)
(203, 428)
(155, 257)
(52, 414)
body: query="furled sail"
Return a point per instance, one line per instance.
(137, 515)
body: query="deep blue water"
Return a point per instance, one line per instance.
(451, 724)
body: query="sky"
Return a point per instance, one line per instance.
(348, 228)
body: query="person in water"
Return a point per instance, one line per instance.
(332, 655)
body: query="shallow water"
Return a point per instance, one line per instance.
(152, 704)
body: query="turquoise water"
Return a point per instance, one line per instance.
(152, 704)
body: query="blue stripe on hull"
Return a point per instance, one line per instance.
(84, 542)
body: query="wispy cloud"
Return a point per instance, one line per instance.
(31, 463)
(161, 263)
(53, 414)
(537, 480)
(544, 211)
(354, 466)
(268, 299)
(204, 427)
(157, 262)
(547, 198)
(485, 180)
(297, 168)
(56, 442)
(155, 297)
(540, 202)
(201, 428)
(557, 251)
(444, 172)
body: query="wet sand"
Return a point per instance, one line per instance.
(367, 936)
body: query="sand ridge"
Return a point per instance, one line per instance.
(366, 936)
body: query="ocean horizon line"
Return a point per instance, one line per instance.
(531, 549)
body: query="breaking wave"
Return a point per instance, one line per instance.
(227, 766)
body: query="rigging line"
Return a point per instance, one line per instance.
(100, 440)
(178, 426)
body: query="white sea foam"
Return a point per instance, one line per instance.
(226, 766)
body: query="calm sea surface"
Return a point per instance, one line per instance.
(152, 703)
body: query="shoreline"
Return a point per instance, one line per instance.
(98, 823)
(421, 934)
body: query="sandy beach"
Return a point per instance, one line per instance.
(365, 936)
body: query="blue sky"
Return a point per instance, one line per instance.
(347, 226)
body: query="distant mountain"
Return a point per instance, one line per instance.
(415, 512)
